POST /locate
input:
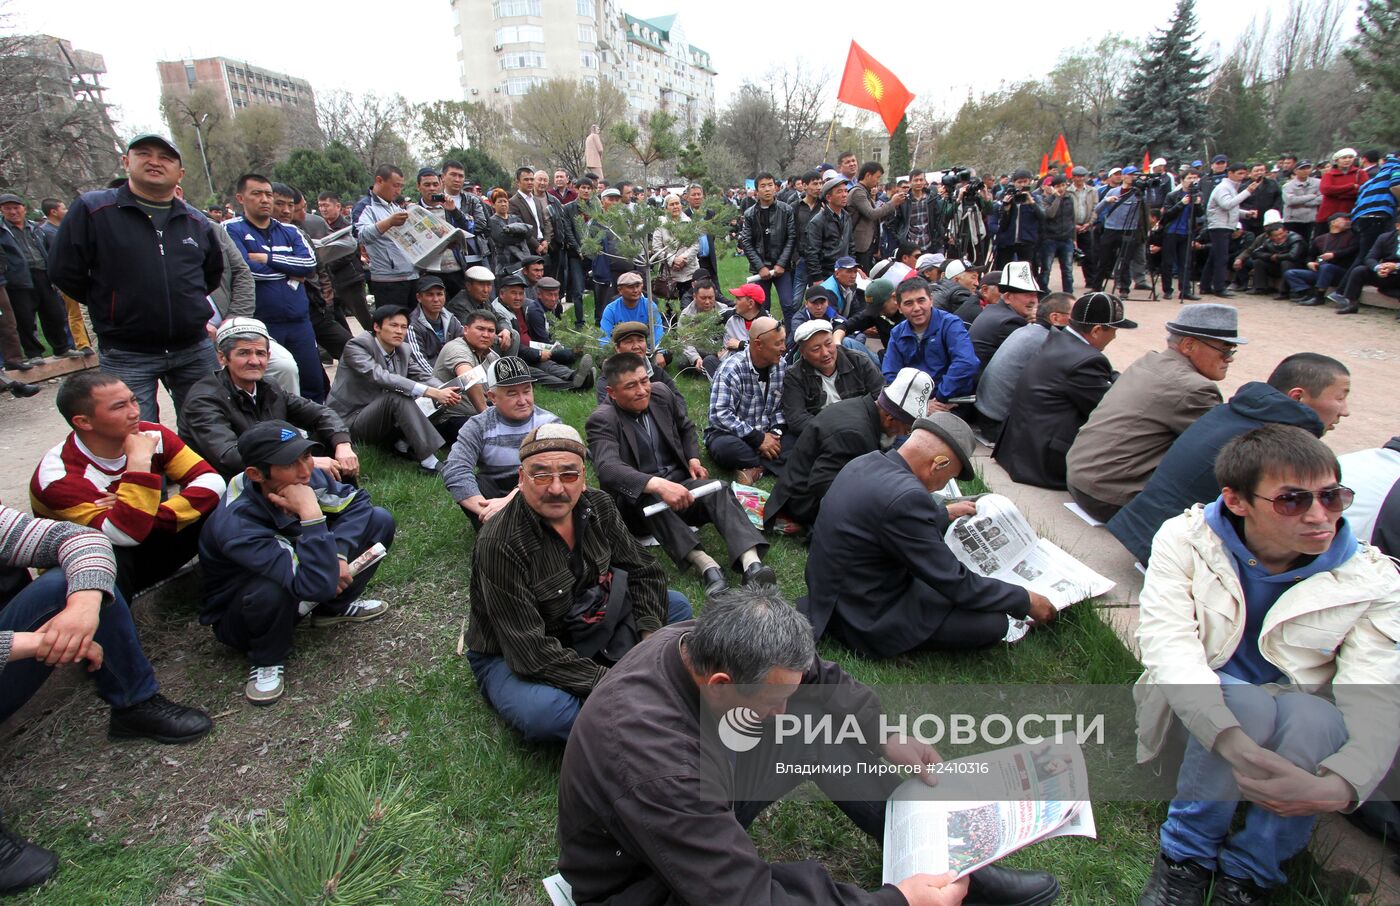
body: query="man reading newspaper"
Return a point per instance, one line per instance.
(675, 753)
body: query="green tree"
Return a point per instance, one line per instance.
(335, 169)
(654, 145)
(899, 148)
(1377, 65)
(1162, 109)
(481, 167)
(1239, 114)
(690, 163)
(1001, 131)
(749, 126)
(441, 125)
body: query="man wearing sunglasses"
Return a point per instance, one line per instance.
(1156, 398)
(1260, 610)
(560, 591)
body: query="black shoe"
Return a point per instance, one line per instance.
(19, 389)
(1190, 297)
(1237, 892)
(1226, 293)
(1175, 883)
(995, 886)
(23, 864)
(583, 373)
(1310, 300)
(1142, 286)
(21, 365)
(714, 581)
(1350, 308)
(760, 574)
(160, 719)
(1281, 296)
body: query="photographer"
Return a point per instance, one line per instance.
(1120, 242)
(1018, 228)
(1184, 209)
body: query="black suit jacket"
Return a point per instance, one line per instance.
(879, 577)
(612, 443)
(990, 329)
(835, 436)
(1057, 390)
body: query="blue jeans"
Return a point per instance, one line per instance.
(1300, 727)
(857, 346)
(540, 712)
(177, 369)
(1062, 250)
(126, 677)
(300, 339)
(786, 302)
(1301, 278)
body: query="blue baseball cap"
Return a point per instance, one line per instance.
(273, 442)
(1130, 170)
(845, 263)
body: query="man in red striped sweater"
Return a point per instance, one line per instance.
(134, 481)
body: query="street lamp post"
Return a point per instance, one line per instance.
(199, 136)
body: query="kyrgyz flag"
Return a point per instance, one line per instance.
(870, 86)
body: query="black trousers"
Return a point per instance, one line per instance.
(351, 298)
(261, 620)
(1176, 260)
(672, 529)
(1368, 230)
(1093, 506)
(1115, 247)
(1218, 274)
(393, 292)
(39, 306)
(1359, 277)
(156, 559)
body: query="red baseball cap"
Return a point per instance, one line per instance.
(752, 291)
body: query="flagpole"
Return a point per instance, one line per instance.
(829, 130)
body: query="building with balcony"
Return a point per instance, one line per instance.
(238, 83)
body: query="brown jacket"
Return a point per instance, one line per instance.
(865, 218)
(1148, 407)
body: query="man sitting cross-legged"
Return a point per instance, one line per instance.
(72, 614)
(552, 366)
(134, 481)
(880, 577)
(279, 547)
(482, 473)
(1270, 631)
(746, 405)
(645, 449)
(236, 397)
(560, 590)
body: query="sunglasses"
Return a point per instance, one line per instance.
(1296, 503)
(1227, 352)
(545, 479)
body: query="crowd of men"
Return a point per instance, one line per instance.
(857, 368)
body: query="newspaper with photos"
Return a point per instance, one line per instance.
(1042, 792)
(425, 236)
(472, 378)
(997, 541)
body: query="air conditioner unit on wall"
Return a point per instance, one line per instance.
(499, 47)
(476, 91)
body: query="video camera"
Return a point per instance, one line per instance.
(955, 175)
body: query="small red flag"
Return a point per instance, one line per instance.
(868, 85)
(1060, 153)
(1044, 165)
(1146, 161)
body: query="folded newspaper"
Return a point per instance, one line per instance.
(1042, 792)
(425, 236)
(475, 376)
(334, 246)
(997, 541)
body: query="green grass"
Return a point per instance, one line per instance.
(492, 797)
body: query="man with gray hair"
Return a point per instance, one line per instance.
(880, 578)
(231, 400)
(654, 806)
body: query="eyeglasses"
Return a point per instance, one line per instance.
(1296, 503)
(545, 479)
(1227, 352)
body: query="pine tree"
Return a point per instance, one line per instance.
(899, 148)
(1377, 65)
(1163, 109)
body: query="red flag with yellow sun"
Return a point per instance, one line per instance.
(870, 86)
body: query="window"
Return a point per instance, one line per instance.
(519, 85)
(523, 61)
(520, 34)
(588, 60)
(586, 8)
(587, 34)
(506, 8)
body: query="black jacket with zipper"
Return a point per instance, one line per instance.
(146, 291)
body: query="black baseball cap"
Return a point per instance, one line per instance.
(426, 283)
(154, 138)
(1100, 308)
(273, 442)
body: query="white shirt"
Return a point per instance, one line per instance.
(539, 216)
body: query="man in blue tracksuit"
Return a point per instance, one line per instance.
(280, 261)
(278, 547)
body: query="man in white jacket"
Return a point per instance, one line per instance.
(1257, 609)
(1222, 219)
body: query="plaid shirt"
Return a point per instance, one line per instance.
(740, 402)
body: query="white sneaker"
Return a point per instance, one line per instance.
(361, 611)
(265, 685)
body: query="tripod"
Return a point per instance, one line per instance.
(1139, 234)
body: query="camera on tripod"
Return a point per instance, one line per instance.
(955, 175)
(1149, 181)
